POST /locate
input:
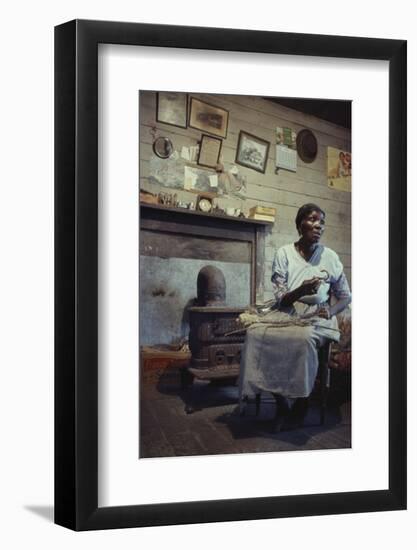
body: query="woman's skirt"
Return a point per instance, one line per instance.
(282, 360)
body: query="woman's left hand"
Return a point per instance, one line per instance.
(324, 312)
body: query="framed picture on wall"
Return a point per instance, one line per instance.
(171, 108)
(208, 118)
(101, 480)
(209, 152)
(252, 152)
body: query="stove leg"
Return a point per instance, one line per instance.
(187, 380)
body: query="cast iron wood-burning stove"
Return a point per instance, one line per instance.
(215, 349)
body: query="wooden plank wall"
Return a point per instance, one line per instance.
(286, 191)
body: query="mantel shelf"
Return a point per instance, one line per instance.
(232, 219)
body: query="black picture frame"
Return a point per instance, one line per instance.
(242, 156)
(203, 116)
(202, 156)
(166, 119)
(76, 270)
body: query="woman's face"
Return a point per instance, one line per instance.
(312, 227)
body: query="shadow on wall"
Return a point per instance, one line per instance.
(168, 286)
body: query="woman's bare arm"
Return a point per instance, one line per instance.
(328, 312)
(339, 306)
(308, 288)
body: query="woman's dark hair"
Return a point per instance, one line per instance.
(305, 211)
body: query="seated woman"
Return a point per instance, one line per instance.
(283, 360)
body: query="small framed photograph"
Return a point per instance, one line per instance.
(209, 153)
(208, 118)
(171, 108)
(252, 152)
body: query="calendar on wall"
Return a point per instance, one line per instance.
(286, 153)
(286, 158)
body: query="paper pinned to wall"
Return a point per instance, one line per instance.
(190, 153)
(339, 169)
(285, 152)
(286, 158)
(190, 178)
(194, 153)
(185, 153)
(286, 136)
(214, 181)
(199, 179)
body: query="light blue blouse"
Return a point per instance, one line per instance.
(290, 270)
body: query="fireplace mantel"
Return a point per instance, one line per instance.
(192, 213)
(181, 221)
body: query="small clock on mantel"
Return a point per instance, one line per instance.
(204, 204)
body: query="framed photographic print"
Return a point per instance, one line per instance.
(208, 118)
(252, 152)
(209, 153)
(108, 368)
(172, 108)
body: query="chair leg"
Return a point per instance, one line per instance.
(323, 407)
(257, 403)
(324, 374)
(242, 406)
(295, 419)
(281, 412)
(324, 391)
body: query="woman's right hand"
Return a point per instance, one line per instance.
(307, 288)
(310, 286)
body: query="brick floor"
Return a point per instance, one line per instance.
(216, 427)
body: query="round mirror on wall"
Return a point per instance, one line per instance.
(162, 147)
